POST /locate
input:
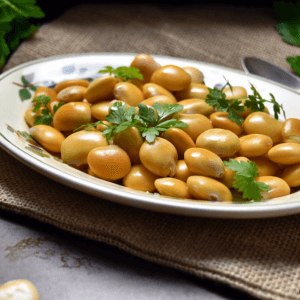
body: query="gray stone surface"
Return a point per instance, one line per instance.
(66, 266)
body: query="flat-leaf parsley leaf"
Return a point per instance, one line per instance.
(245, 179)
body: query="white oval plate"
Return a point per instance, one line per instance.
(49, 71)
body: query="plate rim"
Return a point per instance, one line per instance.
(229, 211)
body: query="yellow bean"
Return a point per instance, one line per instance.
(285, 153)
(67, 83)
(171, 77)
(182, 171)
(72, 94)
(196, 75)
(141, 179)
(278, 187)
(291, 131)
(196, 106)
(101, 89)
(76, 147)
(109, 162)
(50, 138)
(205, 188)
(220, 141)
(221, 120)
(129, 93)
(204, 162)
(153, 89)
(180, 139)
(172, 187)
(253, 145)
(71, 116)
(291, 175)
(159, 157)
(194, 90)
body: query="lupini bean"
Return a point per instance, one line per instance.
(194, 90)
(72, 94)
(172, 187)
(205, 188)
(236, 92)
(204, 162)
(182, 171)
(220, 141)
(100, 110)
(42, 90)
(153, 89)
(141, 179)
(76, 147)
(228, 178)
(291, 131)
(162, 99)
(19, 289)
(197, 124)
(30, 115)
(129, 93)
(285, 153)
(291, 175)
(109, 162)
(50, 138)
(101, 89)
(196, 74)
(265, 166)
(71, 116)
(130, 140)
(146, 64)
(180, 139)
(278, 187)
(253, 145)
(159, 157)
(262, 123)
(171, 77)
(102, 127)
(196, 106)
(221, 120)
(73, 82)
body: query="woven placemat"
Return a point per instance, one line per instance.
(260, 257)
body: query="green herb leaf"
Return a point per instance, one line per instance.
(24, 94)
(146, 113)
(294, 63)
(116, 113)
(256, 103)
(25, 82)
(57, 106)
(166, 110)
(126, 73)
(149, 133)
(245, 179)
(217, 99)
(14, 24)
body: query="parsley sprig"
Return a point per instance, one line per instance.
(217, 99)
(245, 179)
(146, 122)
(46, 116)
(126, 73)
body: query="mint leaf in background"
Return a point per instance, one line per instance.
(294, 63)
(288, 15)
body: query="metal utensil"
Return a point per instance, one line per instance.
(263, 68)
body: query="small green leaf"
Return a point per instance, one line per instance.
(33, 88)
(25, 82)
(24, 94)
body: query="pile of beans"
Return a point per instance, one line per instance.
(185, 163)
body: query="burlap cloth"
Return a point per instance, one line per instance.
(260, 257)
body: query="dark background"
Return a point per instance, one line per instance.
(54, 8)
